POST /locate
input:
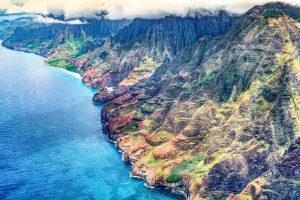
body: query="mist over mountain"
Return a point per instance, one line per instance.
(118, 9)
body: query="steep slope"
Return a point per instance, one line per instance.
(63, 42)
(8, 27)
(221, 119)
(293, 11)
(138, 49)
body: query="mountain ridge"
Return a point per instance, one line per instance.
(202, 123)
(156, 44)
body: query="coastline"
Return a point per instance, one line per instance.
(173, 190)
(77, 75)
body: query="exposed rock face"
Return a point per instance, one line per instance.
(138, 49)
(282, 180)
(284, 184)
(289, 164)
(214, 121)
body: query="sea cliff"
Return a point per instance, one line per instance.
(205, 106)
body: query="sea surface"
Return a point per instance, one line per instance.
(51, 144)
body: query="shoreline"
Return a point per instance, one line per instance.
(172, 190)
(77, 75)
(74, 74)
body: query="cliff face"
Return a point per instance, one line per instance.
(63, 43)
(221, 119)
(164, 37)
(8, 27)
(51, 35)
(137, 50)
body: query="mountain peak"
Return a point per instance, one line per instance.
(274, 10)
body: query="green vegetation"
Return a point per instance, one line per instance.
(62, 63)
(273, 13)
(179, 84)
(173, 178)
(34, 46)
(268, 94)
(189, 91)
(260, 108)
(132, 127)
(217, 198)
(140, 116)
(69, 51)
(154, 162)
(204, 80)
(148, 108)
(186, 166)
(260, 26)
(159, 173)
(163, 136)
(127, 111)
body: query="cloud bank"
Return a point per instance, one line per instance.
(49, 20)
(118, 9)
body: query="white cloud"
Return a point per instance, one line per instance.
(48, 20)
(128, 8)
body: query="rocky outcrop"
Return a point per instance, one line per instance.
(104, 95)
(126, 122)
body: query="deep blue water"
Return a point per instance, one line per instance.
(51, 144)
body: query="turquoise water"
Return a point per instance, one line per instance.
(51, 144)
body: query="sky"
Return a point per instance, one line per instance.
(118, 9)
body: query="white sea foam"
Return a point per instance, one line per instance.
(110, 89)
(77, 75)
